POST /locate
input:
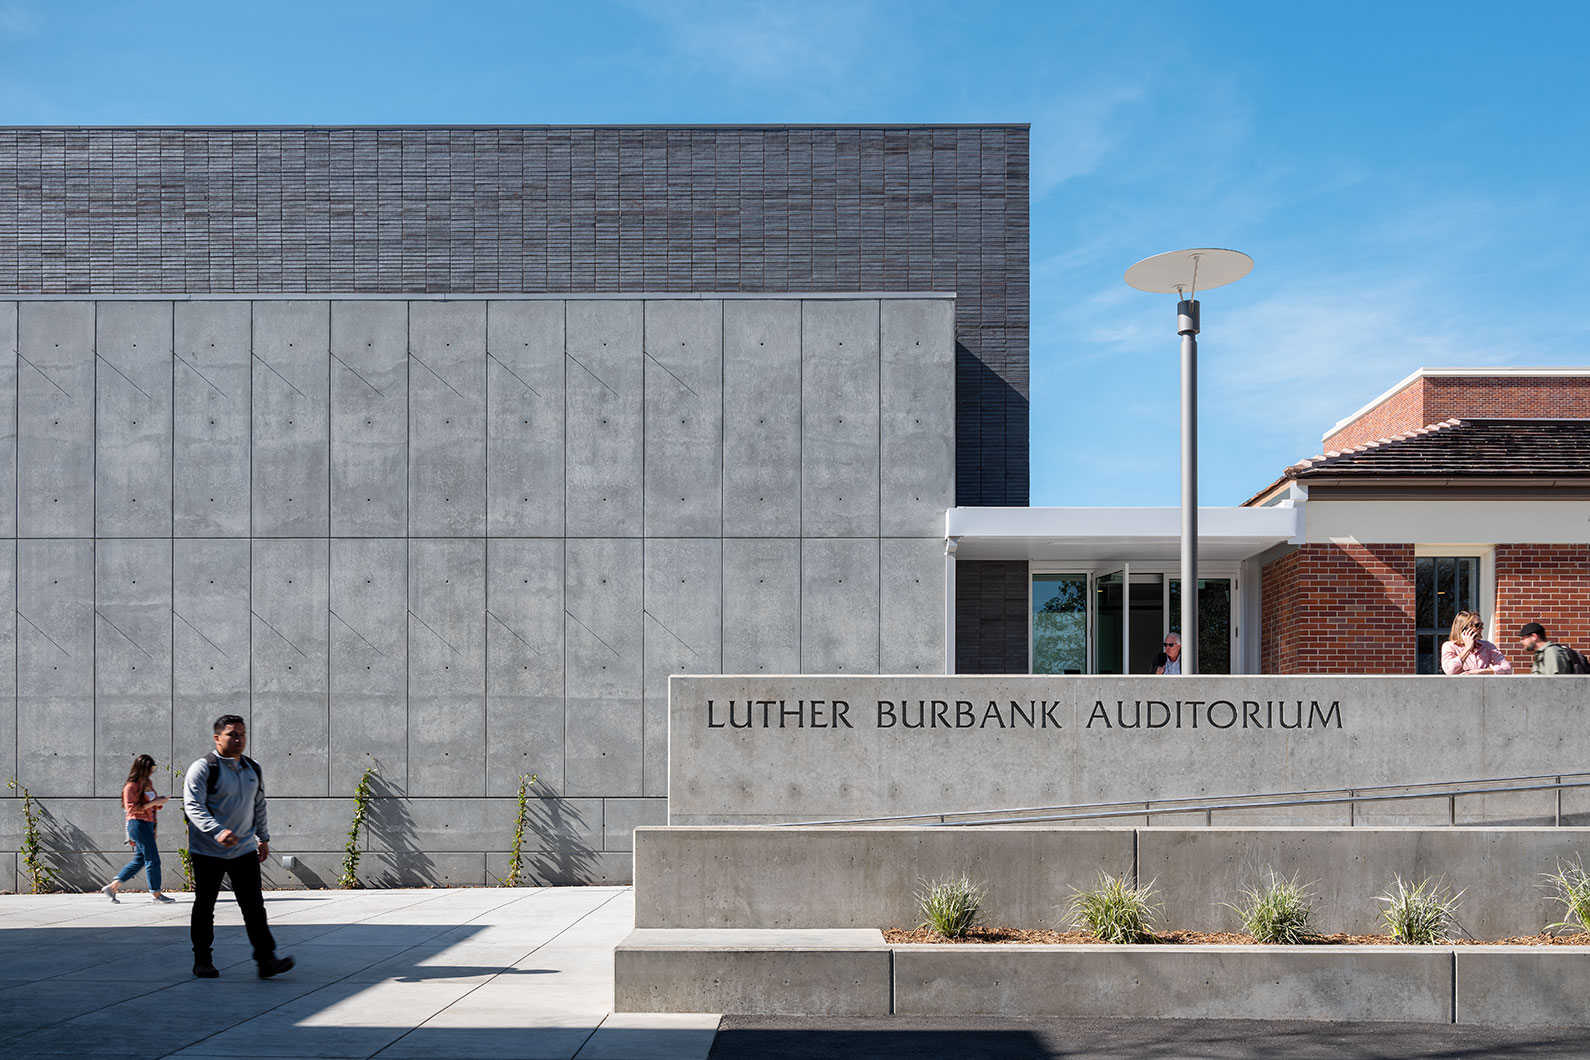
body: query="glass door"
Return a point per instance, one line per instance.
(1214, 622)
(1111, 620)
(1059, 623)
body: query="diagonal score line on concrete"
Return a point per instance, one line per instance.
(43, 634)
(128, 379)
(513, 373)
(439, 378)
(670, 632)
(46, 376)
(590, 373)
(123, 632)
(435, 634)
(591, 631)
(202, 637)
(653, 359)
(356, 633)
(195, 370)
(359, 375)
(511, 630)
(276, 631)
(278, 375)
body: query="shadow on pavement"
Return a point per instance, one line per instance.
(922, 1038)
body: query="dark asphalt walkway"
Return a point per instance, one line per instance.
(910, 1038)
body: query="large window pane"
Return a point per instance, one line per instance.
(1059, 623)
(1214, 622)
(1442, 586)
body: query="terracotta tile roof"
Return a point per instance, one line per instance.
(1470, 448)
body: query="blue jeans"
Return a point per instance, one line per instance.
(145, 854)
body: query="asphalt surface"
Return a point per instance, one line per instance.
(913, 1038)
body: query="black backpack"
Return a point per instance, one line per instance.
(214, 762)
(1577, 663)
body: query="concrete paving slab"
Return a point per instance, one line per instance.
(652, 1036)
(518, 975)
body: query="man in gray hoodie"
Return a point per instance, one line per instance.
(224, 798)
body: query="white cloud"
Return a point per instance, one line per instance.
(766, 41)
(1073, 136)
(18, 20)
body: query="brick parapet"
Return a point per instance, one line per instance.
(1432, 399)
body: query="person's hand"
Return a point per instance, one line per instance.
(227, 838)
(264, 850)
(1159, 669)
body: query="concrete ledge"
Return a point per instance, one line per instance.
(819, 973)
(757, 877)
(1182, 982)
(1523, 984)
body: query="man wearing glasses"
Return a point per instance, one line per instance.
(1169, 661)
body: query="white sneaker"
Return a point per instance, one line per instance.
(109, 891)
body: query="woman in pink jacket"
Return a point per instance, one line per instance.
(1467, 653)
(141, 802)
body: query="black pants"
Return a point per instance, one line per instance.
(243, 871)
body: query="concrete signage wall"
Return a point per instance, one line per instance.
(769, 749)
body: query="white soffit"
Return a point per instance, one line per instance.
(1102, 535)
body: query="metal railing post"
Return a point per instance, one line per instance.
(1451, 810)
(1559, 803)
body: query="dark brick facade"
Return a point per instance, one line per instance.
(554, 210)
(991, 617)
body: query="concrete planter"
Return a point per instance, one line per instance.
(854, 972)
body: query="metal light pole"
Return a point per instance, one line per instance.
(1182, 272)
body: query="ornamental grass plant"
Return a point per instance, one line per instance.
(1420, 915)
(1571, 884)
(1115, 910)
(949, 906)
(1277, 911)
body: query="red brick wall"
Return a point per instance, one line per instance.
(1431, 400)
(1549, 584)
(1338, 609)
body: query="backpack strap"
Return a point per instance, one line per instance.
(213, 775)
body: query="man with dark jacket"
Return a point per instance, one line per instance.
(224, 798)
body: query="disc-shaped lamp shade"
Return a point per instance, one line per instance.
(1186, 272)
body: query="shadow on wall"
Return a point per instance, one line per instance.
(565, 858)
(990, 461)
(392, 830)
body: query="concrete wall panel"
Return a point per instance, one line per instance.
(761, 437)
(916, 451)
(524, 672)
(212, 425)
(8, 661)
(369, 661)
(55, 442)
(291, 661)
(911, 605)
(132, 657)
(684, 418)
(369, 419)
(132, 491)
(605, 433)
(447, 418)
(447, 667)
(839, 423)
(602, 727)
(292, 427)
(761, 606)
(8, 419)
(839, 606)
(55, 667)
(682, 633)
(210, 640)
(524, 419)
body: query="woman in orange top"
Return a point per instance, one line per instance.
(139, 798)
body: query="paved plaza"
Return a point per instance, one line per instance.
(471, 973)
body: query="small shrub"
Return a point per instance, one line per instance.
(1115, 910)
(1420, 915)
(950, 905)
(363, 795)
(1572, 886)
(521, 822)
(1277, 911)
(41, 877)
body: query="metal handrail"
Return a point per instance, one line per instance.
(1450, 790)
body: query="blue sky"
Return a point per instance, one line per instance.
(1409, 177)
